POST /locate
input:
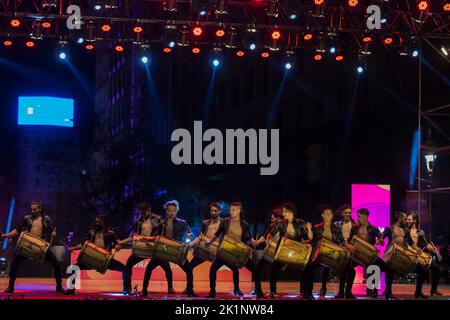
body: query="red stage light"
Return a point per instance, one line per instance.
(29, 44)
(106, 27)
(276, 35)
(119, 48)
(89, 47)
(15, 23)
(319, 2)
(353, 3)
(339, 58)
(367, 39)
(265, 54)
(46, 24)
(423, 5)
(318, 57)
(308, 36)
(7, 43)
(138, 29)
(167, 50)
(220, 33)
(240, 53)
(197, 31)
(447, 7)
(195, 50)
(388, 40)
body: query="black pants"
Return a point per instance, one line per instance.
(273, 277)
(435, 275)
(198, 261)
(186, 267)
(133, 260)
(346, 279)
(421, 275)
(250, 265)
(114, 265)
(325, 276)
(49, 257)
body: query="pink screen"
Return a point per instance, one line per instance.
(377, 199)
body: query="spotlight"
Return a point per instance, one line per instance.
(138, 29)
(352, 3)
(167, 50)
(332, 50)
(366, 42)
(318, 57)
(276, 35)
(106, 27)
(201, 7)
(62, 55)
(220, 33)
(171, 44)
(287, 65)
(170, 35)
(240, 53)
(29, 44)
(89, 47)
(215, 62)
(15, 23)
(444, 51)
(307, 36)
(319, 2)
(144, 59)
(197, 31)
(446, 7)
(97, 7)
(265, 55)
(291, 8)
(252, 46)
(388, 40)
(195, 50)
(360, 69)
(119, 48)
(46, 25)
(293, 16)
(415, 53)
(422, 5)
(339, 57)
(251, 39)
(7, 43)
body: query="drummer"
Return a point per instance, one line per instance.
(291, 228)
(237, 228)
(40, 225)
(145, 226)
(209, 228)
(419, 242)
(371, 234)
(102, 236)
(176, 229)
(324, 230)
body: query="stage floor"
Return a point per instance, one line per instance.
(110, 289)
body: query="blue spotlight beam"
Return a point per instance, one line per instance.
(414, 158)
(276, 101)
(10, 215)
(208, 98)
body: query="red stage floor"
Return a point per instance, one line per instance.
(110, 289)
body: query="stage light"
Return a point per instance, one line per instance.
(15, 23)
(7, 43)
(288, 65)
(231, 41)
(360, 69)
(138, 29)
(215, 62)
(265, 55)
(119, 48)
(202, 7)
(332, 50)
(318, 57)
(171, 44)
(202, 13)
(366, 42)
(36, 30)
(352, 3)
(89, 47)
(167, 50)
(307, 36)
(388, 40)
(251, 39)
(446, 7)
(367, 39)
(97, 7)
(276, 35)
(415, 53)
(197, 31)
(29, 44)
(80, 40)
(46, 25)
(339, 57)
(293, 16)
(252, 46)
(220, 33)
(319, 2)
(170, 5)
(240, 53)
(62, 55)
(422, 5)
(444, 51)
(110, 4)
(144, 59)
(195, 50)
(106, 27)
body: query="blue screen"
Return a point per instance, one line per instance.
(48, 111)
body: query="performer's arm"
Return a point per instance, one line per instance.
(11, 234)
(77, 247)
(309, 231)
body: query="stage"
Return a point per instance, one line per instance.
(43, 289)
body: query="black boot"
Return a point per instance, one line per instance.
(191, 293)
(237, 292)
(323, 291)
(259, 294)
(144, 293)
(271, 295)
(70, 292)
(60, 289)
(435, 292)
(340, 295)
(390, 296)
(420, 295)
(10, 289)
(185, 291)
(374, 293)
(212, 293)
(170, 290)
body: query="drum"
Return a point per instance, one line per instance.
(332, 255)
(270, 250)
(94, 257)
(202, 251)
(143, 246)
(32, 247)
(293, 253)
(170, 250)
(424, 260)
(234, 252)
(365, 254)
(402, 259)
